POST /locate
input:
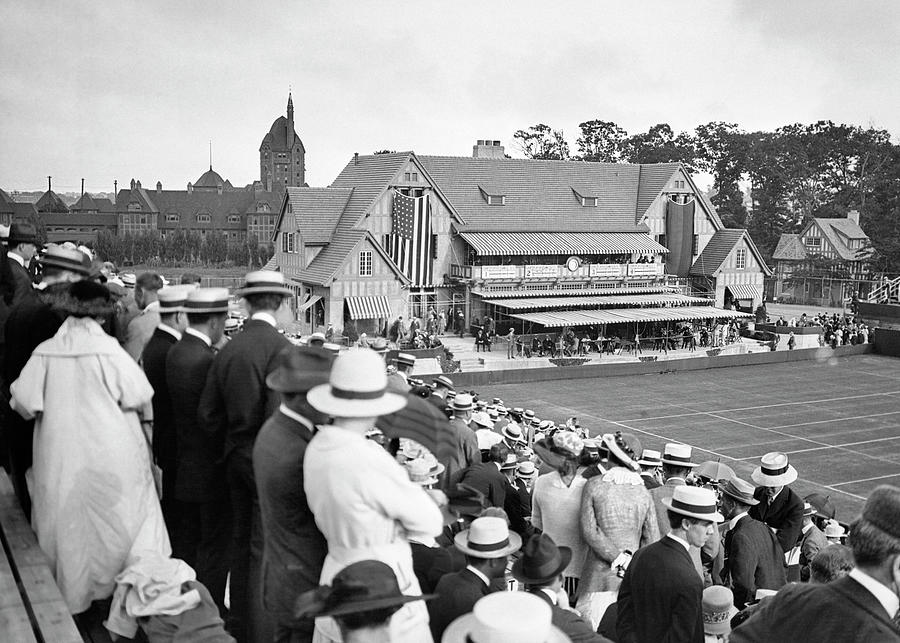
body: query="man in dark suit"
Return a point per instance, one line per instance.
(812, 541)
(203, 527)
(753, 557)
(779, 507)
(858, 607)
(234, 405)
(661, 596)
(486, 478)
(294, 547)
(442, 386)
(540, 570)
(487, 544)
(22, 245)
(650, 464)
(467, 452)
(172, 322)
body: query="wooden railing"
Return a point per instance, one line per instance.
(886, 292)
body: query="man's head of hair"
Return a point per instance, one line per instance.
(676, 519)
(213, 324)
(675, 471)
(189, 278)
(498, 453)
(145, 288)
(490, 567)
(264, 302)
(831, 563)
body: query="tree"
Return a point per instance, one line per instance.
(721, 150)
(541, 142)
(660, 145)
(601, 141)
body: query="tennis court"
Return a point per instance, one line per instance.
(838, 419)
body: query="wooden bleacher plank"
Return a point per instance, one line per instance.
(25, 551)
(16, 626)
(55, 622)
(9, 589)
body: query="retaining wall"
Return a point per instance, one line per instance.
(886, 341)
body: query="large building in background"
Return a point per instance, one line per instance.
(282, 157)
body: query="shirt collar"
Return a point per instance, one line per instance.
(16, 257)
(478, 573)
(734, 521)
(296, 417)
(168, 329)
(888, 599)
(203, 337)
(681, 541)
(269, 318)
(806, 528)
(550, 594)
(153, 305)
(675, 481)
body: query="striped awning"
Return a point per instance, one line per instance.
(569, 292)
(668, 299)
(745, 291)
(309, 302)
(561, 243)
(374, 307)
(560, 318)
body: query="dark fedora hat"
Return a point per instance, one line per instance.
(739, 490)
(542, 560)
(67, 259)
(21, 232)
(360, 587)
(300, 368)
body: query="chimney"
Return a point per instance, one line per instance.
(488, 149)
(49, 184)
(82, 188)
(159, 186)
(356, 158)
(115, 189)
(138, 185)
(132, 184)
(190, 188)
(853, 215)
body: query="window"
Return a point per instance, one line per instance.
(134, 206)
(434, 246)
(589, 201)
(661, 239)
(494, 199)
(740, 259)
(172, 218)
(365, 263)
(288, 242)
(695, 245)
(813, 242)
(234, 218)
(203, 218)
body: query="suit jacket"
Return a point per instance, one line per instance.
(753, 560)
(711, 548)
(785, 514)
(660, 597)
(423, 558)
(30, 322)
(165, 446)
(842, 610)
(294, 548)
(457, 595)
(650, 482)
(518, 507)
(467, 452)
(572, 625)
(140, 330)
(486, 478)
(23, 284)
(811, 543)
(199, 474)
(236, 400)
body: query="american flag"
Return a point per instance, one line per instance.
(410, 243)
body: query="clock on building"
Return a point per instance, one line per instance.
(573, 264)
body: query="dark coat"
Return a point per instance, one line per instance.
(811, 543)
(236, 400)
(518, 508)
(753, 560)
(466, 454)
(32, 321)
(200, 475)
(165, 447)
(294, 548)
(572, 625)
(423, 558)
(842, 610)
(23, 283)
(660, 597)
(486, 478)
(650, 482)
(457, 595)
(785, 514)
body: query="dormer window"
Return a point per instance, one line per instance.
(203, 218)
(588, 197)
(492, 195)
(171, 218)
(134, 206)
(589, 201)
(234, 218)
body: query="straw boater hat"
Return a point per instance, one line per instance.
(487, 438)
(718, 609)
(462, 402)
(128, 279)
(172, 299)
(71, 260)
(650, 458)
(316, 339)
(379, 345)
(512, 432)
(740, 490)
(487, 537)
(774, 471)
(406, 359)
(511, 462)
(526, 470)
(356, 388)
(502, 617)
(203, 301)
(542, 561)
(299, 368)
(264, 282)
(808, 509)
(420, 472)
(624, 447)
(442, 381)
(693, 502)
(678, 454)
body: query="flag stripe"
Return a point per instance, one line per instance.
(410, 244)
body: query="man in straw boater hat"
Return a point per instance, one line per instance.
(506, 616)
(487, 544)
(441, 386)
(203, 527)
(753, 558)
(488, 478)
(234, 406)
(362, 598)
(365, 510)
(779, 507)
(540, 569)
(661, 595)
(467, 453)
(294, 548)
(862, 606)
(650, 468)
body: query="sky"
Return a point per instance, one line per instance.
(118, 90)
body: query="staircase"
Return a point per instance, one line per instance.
(886, 293)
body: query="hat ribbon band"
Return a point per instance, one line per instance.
(697, 509)
(677, 458)
(488, 546)
(774, 472)
(344, 394)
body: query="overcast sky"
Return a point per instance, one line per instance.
(115, 90)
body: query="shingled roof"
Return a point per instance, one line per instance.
(317, 211)
(51, 202)
(833, 229)
(17, 211)
(719, 247)
(789, 248)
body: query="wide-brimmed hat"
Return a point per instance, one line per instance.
(487, 537)
(172, 299)
(462, 402)
(624, 447)
(360, 587)
(822, 504)
(650, 458)
(420, 472)
(66, 259)
(466, 501)
(526, 470)
(316, 339)
(678, 454)
(486, 438)
(379, 345)
(511, 462)
(300, 368)
(504, 617)
(541, 561)
(264, 282)
(482, 419)
(444, 381)
(564, 445)
(22, 232)
(718, 609)
(693, 502)
(740, 490)
(356, 388)
(512, 432)
(202, 301)
(774, 471)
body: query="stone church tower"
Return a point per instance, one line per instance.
(282, 157)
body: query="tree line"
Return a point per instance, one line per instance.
(180, 247)
(794, 173)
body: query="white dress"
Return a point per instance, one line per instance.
(93, 496)
(366, 508)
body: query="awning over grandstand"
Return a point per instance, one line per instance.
(666, 299)
(559, 318)
(745, 291)
(374, 307)
(569, 292)
(561, 243)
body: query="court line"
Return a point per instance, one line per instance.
(846, 444)
(839, 484)
(840, 419)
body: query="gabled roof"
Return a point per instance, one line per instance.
(16, 210)
(50, 202)
(316, 211)
(789, 248)
(325, 266)
(653, 178)
(88, 202)
(833, 229)
(719, 247)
